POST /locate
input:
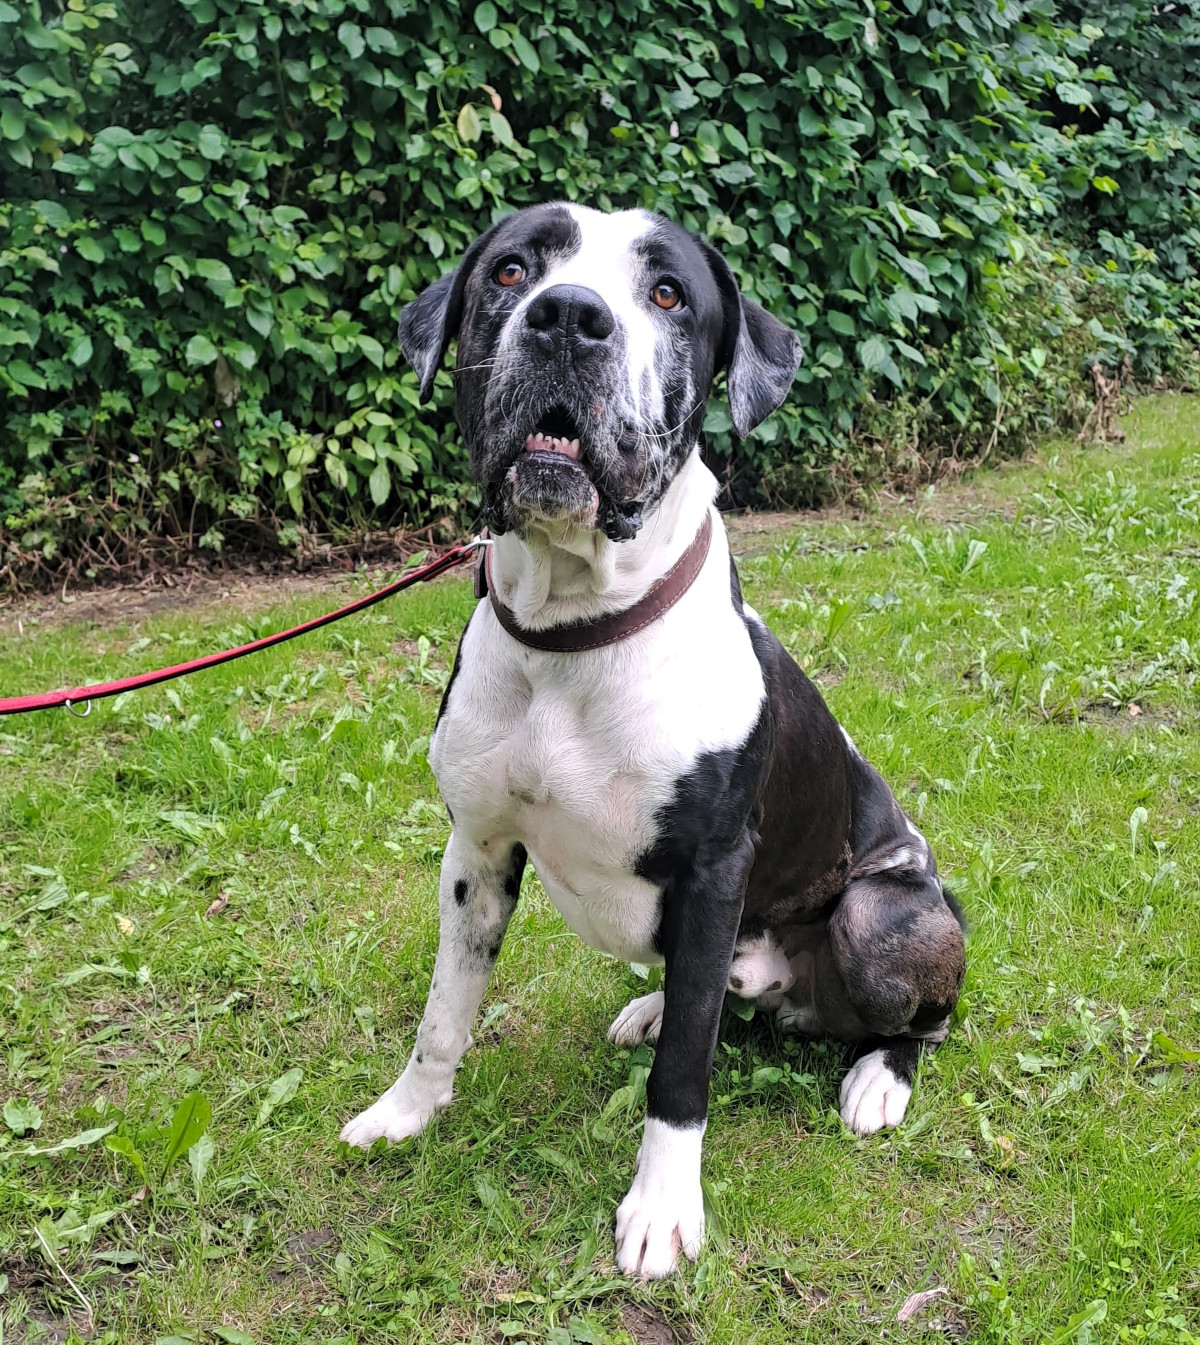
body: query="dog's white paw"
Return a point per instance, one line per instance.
(639, 1021)
(872, 1096)
(663, 1214)
(389, 1118)
(653, 1227)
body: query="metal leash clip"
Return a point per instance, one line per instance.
(87, 709)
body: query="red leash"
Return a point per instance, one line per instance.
(49, 700)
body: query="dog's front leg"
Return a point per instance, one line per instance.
(476, 899)
(663, 1214)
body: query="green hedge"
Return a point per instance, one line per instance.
(212, 211)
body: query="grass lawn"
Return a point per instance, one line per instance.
(218, 924)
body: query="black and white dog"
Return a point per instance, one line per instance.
(683, 792)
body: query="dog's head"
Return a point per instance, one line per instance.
(587, 345)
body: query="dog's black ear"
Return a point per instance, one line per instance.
(430, 322)
(759, 354)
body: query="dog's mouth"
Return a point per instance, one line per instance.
(553, 475)
(558, 434)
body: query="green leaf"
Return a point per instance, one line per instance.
(501, 129)
(216, 273)
(22, 1117)
(526, 52)
(211, 142)
(261, 319)
(372, 350)
(350, 35)
(470, 128)
(380, 483)
(56, 215)
(20, 371)
(646, 49)
(873, 354)
(1076, 94)
(909, 352)
(381, 39)
(187, 1125)
(241, 353)
(199, 1157)
(200, 350)
(1078, 1329)
(485, 16)
(122, 1145)
(12, 123)
(281, 1090)
(922, 223)
(489, 1196)
(232, 1335)
(81, 351)
(842, 323)
(1171, 1052)
(89, 249)
(864, 264)
(81, 1141)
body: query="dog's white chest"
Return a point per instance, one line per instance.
(584, 806)
(577, 795)
(576, 757)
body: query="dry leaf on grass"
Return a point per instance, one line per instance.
(915, 1302)
(217, 906)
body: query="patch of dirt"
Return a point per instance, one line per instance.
(1130, 717)
(40, 1327)
(249, 585)
(308, 1251)
(988, 1233)
(26, 1314)
(648, 1326)
(238, 590)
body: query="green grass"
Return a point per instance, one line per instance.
(1019, 655)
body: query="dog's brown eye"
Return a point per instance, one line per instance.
(510, 273)
(666, 294)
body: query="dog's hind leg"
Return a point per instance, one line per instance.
(476, 900)
(897, 949)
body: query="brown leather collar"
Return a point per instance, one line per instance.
(599, 631)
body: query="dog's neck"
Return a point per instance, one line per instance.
(553, 574)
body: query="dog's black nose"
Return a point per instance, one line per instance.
(573, 312)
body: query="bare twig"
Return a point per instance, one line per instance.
(75, 1289)
(1101, 423)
